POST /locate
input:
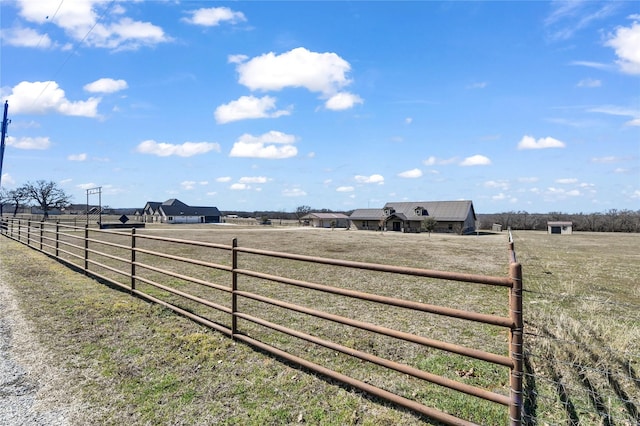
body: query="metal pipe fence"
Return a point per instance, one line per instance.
(217, 285)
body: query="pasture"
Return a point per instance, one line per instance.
(581, 303)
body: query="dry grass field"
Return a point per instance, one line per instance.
(141, 364)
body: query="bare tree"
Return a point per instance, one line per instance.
(3, 198)
(16, 196)
(302, 211)
(47, 195)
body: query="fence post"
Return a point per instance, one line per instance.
(86, 248)
(41, 234)
(133, 259)
(234, 287)
(516, 344)
(57, 238)
(19, 229)
(29, 233)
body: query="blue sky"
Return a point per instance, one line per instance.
(529, 106)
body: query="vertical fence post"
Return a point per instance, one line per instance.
(133, 259)
(57, 238)
(86, 248)
(28, 232)
(41, 234)
(19, 229)
(516, 344)
(234, 287)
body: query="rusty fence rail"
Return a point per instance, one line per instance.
(216, 298)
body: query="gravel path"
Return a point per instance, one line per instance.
(26, 394)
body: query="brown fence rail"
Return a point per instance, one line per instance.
(233, 297)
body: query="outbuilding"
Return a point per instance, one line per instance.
(326, 220)
(559, 227)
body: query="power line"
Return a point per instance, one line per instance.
(52, 18)
(74, 47)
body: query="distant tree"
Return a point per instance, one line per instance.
(302, 211)
(47, 195)
(3, 198)
(16, 196)
(429, 224)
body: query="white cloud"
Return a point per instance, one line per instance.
(345, 189)
(606, 160)
(77, 157)
(591, 64)
(271, 145)
(253, 179)
(187, 149)
(324, 73)
(247, 107)
(293, 192)
(626, 42)
(85, 186)
(500, 184)
(411, 174)
(105, 85)
(7, 179)
(567, 18)
(432, 161)
(213, 16)
(343, 100)
(188, 185)
(379, 179)
(620, 111)
(42, 97)
(476, 160)
(589, 82)
(39, 143)
(223, 179)
(529, 142)
(25, 37)
(562, 192)
(566, 181)
(528, 179)
(239, 187)
(96, 24)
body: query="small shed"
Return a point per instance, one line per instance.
(326, 220)
(560, 228)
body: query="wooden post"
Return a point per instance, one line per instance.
(57, 238)
(234, 287)
(133, 259)
(86, 248)
(516, 345)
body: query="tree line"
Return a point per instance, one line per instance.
(612, 220)
(47, 195)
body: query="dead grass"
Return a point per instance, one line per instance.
(582, 317)
(129, 346)
(581, 305)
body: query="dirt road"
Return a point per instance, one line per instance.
(28, 394)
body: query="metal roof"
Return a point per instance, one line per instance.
(367, 214)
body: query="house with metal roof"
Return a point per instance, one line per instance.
(326, 220)
(367, 219)
(451, 216)
(175, 211)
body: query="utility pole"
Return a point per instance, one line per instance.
(5, 123)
